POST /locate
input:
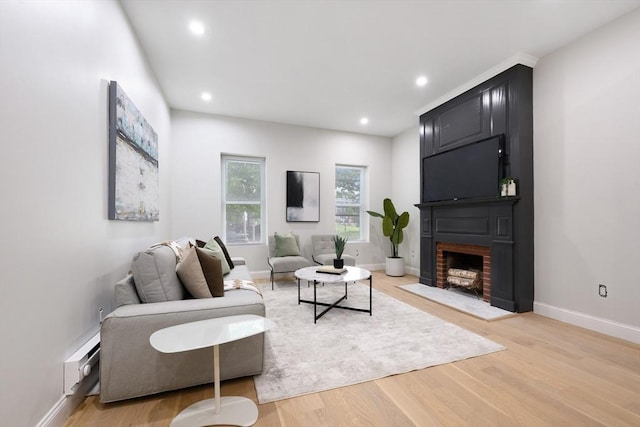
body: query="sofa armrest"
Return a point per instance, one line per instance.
(237, 260)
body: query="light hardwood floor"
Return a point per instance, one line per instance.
(551, 374)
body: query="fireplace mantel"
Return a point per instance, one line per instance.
(486, 222)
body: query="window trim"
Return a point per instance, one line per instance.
(225, 159)
(364, 217)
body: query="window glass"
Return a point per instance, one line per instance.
(243, 199)
(350, 218)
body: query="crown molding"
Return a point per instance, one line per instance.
(518, 58)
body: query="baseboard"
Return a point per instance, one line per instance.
(65, 406)
(597, 324)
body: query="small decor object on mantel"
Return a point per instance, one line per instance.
(340, 242)
(508, 186)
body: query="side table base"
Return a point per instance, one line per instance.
(234, 410)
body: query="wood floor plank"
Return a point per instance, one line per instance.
(551, 373)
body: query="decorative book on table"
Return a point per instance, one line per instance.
(330, 270)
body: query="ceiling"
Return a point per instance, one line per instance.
(327, 64)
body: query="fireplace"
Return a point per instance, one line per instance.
(464, 257)
(498, 230)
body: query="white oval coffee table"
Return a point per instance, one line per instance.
(228, 410)
(353, 274)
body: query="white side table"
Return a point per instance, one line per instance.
(229, 410)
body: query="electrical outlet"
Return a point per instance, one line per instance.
(602, 291)
(357, 253)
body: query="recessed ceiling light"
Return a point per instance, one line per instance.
(206, 96)
(196, 28)
(364, 121)
(421, 81)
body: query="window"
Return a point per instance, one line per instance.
(243, 198)
(350, 213)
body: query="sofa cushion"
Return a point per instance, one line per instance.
(213, 248)
(154, 274)
(286, 245)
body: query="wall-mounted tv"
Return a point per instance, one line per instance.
(468, 172)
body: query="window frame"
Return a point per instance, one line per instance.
(364, 217)
(225, 159)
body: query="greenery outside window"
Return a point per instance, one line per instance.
(243, 200)
(350, 219)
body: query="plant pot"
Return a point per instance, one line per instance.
(338, 263)
(394, 266)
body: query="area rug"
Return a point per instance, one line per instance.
(459, 300)
(348, 347)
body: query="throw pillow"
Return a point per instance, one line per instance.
(226, 252)
(154, 275)
(286, 245)
(212, 248)
(201, 274)
(190, 273)
(212, 270)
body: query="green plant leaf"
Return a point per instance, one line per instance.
(403, 220)
(387, 226)
(389, 209)
(376, 214)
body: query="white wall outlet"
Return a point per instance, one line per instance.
(602, 291)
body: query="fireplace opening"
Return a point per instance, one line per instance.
(463, 271)
(464, 266)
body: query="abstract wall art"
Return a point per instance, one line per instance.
(134, 181)
(303, 196)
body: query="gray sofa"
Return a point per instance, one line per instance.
(130, 367)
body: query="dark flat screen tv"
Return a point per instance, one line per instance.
(469, 172)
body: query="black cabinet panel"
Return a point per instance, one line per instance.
(462, 225)
(462, 123)
(502, 271)
(427, 266)
(426, 137)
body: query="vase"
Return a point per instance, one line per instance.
(394, 266)
(338, 263)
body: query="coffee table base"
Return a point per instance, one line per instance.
(234, 410)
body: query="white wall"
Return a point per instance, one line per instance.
(587, 180)
(406, 192)
(198, 141)
(60, 256)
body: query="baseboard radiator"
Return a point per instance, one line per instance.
(80, 364)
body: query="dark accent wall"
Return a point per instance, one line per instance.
(500, 106)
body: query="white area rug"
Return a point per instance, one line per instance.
(348, 347)
(462, 301)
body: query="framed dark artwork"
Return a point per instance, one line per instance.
(134, 181)
(303, 196)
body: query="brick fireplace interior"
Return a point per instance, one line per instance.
(467, 257)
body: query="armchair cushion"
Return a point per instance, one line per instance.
(286, 245)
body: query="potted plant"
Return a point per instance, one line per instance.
(340, 243)
(392, 225)
(508, 186)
